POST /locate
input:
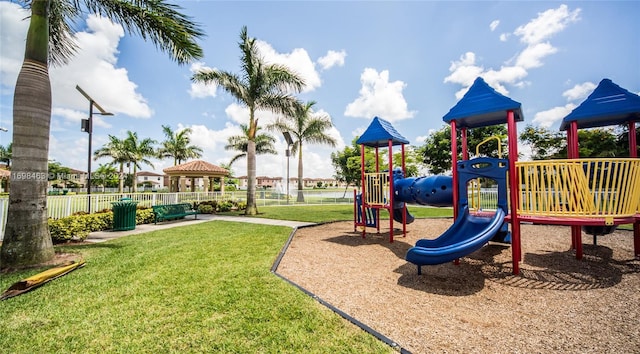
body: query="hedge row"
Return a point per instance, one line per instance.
(77, 227)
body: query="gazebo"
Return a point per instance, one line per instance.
(179, 174)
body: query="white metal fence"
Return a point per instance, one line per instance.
(59, 206)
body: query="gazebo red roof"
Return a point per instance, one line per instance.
(197, 166)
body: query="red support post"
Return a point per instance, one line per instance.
(512, 139)
(633, 143)
(390, 201)
(362, 192)
(573, 152)
(465, 150)
(454, 165)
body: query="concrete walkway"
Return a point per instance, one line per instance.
(101, 236)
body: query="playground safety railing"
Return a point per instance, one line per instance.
(585, 188)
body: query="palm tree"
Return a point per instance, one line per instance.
(26, 240)
(117, 150)
(104, 175)
(260, 86)
(139, 150)
(264, 144)
(304, 126)
(176, 145)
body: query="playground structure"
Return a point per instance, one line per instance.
(595, 194)
(389, 189)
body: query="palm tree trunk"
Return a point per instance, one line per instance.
(135, 179)
(121, 181)
(27, 240)
(300, 176)
(252, 208)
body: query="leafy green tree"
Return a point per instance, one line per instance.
(260, 86)
(436, 149)
(139, 151)
(178, 145)
(264, 144)
(412, 161)
(347, 164)
(597, 142)
(26, 240)
(117, 150)
(544, 144)
(304, 126)
(5, 154)
(58, 173)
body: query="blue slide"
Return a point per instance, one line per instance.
(467, 235)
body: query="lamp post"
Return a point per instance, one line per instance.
(287, 137)
(87, 126)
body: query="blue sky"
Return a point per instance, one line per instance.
(406, 62)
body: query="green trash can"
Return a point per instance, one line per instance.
(124, 214)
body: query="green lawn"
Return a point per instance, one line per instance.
(196, 288)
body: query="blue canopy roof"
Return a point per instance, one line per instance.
(378, 134)
(482, 106)
(608, 104)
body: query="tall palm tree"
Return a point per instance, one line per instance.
(304, 126)
(176, 145)
(27, 240)
(117, 150)
(260, 86)
(138, 151)
(264, 144)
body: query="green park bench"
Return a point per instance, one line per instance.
(173, 211)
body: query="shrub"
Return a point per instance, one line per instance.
(144, 216)
(205, 209)
(68, 228)
(78, 226)
(224, 206)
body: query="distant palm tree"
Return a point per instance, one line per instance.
(139, 151)
(305, 127)
(27, 240)
(104, 175)
(176, 145)
(5, 154)
(117, 150)
(260, 86)
(264, 144)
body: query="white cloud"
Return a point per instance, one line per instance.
(580, 91)
(13, 29)
(198, 89)
(504, 37)
(298, 61)
(531, 57)
(551, 116)
(535, 35)
(332, 59)
(547, 24)
(94, 69)
(379, 97)
(494, 24)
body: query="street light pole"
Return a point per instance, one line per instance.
(287, 137)
(87, 126)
